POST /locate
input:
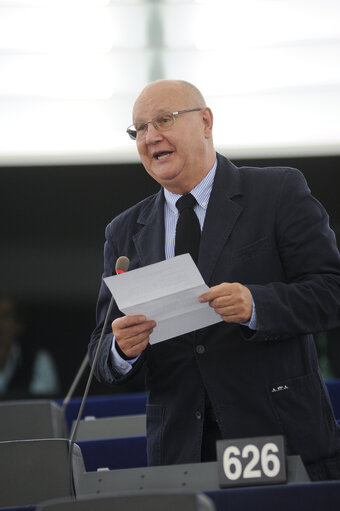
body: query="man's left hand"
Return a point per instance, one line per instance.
(232, 301)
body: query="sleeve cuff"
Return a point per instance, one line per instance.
(252, 322)
(120, 365)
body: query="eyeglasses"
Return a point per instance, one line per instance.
(161, 123)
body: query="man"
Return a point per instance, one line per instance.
(273, 268)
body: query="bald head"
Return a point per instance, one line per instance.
(180, 88)
(181, 153)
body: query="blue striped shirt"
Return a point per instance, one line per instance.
(201, 192)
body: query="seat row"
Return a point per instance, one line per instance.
(109, 457)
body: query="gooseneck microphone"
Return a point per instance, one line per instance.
(122, 265)
(83, 366)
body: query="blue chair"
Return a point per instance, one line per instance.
(107, 406)
(114, 453)
(333, 387)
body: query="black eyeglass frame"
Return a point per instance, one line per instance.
(132, 132)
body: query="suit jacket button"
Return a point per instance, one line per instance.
(200, 349)
(198, 415)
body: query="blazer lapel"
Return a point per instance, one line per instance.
(149, 240)
(221, 216)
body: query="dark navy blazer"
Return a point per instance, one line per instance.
(264, 229)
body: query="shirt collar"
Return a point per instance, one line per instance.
(201, 192)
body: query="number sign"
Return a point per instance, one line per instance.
(251, 461)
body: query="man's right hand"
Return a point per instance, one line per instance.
(132, 334)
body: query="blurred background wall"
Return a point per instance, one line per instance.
(69, 74)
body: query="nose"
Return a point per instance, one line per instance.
(152, 135)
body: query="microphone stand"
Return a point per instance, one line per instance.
(122, 265)
(89, 380)
(75, 382)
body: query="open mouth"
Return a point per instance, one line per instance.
(162, 155)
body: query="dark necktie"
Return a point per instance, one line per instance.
(188, 230)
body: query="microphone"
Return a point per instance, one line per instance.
(122, 265)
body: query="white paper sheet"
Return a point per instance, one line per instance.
(166, 292)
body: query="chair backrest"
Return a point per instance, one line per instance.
(27, 420)
(333, 387)
(164, 501)
(114, 453)
(36, 470)
(111, 427)
(107, 406)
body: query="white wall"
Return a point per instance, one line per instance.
(71, 69)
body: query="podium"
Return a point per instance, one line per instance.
(135, 502)
(191, 477)
(36, 470)
(31, 419)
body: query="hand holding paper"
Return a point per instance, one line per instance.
(132, 334)
(166, 292)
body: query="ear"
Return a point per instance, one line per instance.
(208, 120)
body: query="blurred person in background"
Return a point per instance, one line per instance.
(26, 371)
